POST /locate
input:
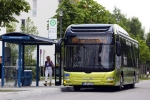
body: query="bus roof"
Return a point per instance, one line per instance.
(96, 28)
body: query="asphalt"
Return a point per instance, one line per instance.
(9, 92)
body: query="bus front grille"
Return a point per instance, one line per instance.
(87, 79)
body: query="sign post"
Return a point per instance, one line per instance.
(43, 61)
(40, 60)
(52, 32)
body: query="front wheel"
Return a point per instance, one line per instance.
(133, 84)
(76, 88)
(119, 88)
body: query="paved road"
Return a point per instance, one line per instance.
(140, 92)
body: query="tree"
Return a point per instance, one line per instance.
(11, 27)
(29, 28)
(120, 19)
(94, 12)
(144, 50)
(148, 39)
(82, 12)
(132, 25)
(9, 8)
(136, 27)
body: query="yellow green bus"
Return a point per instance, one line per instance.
(99, 55)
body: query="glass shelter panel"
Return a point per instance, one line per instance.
(10, 72)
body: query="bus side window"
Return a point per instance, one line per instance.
(118, 48)
(134, 54)
(123, 52)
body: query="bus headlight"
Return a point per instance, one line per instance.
(66, 78)
(110, 78)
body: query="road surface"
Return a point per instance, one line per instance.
(140, 92)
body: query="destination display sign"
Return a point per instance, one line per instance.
(15, 37)
(92, 40)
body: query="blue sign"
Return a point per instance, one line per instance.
(15, 37)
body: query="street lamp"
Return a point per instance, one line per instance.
(60, 15)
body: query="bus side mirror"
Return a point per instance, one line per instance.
(118, 48)
(58, 46)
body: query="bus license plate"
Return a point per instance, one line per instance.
(87, 83)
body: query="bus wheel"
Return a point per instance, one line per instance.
(119, 88)
(126, 86)
(133, 84)
(76, 88)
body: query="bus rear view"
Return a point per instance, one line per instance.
(90, 56)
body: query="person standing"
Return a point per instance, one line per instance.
(48, 70)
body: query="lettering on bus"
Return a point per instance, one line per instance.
(89, 40)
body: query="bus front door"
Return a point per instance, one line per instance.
(58, 60)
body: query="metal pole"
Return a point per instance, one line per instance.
(37, 67)
(60, 67)
(19, 66)
(3, 63)
(43, 61)
(60, 26)
(23, 63)
(40, 63)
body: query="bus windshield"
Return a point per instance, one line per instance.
(90, 56)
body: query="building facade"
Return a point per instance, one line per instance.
(41, 11)
(2, 31)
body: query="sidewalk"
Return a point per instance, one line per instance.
(28, 91)
(34, 92)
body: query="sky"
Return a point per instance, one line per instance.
(132, 8)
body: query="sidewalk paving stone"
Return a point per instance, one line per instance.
(28, 91)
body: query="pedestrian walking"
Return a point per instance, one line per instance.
(48, 70)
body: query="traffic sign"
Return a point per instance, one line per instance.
(52, 22)
(52, 32)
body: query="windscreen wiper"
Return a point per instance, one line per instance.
(100, 65)
(76, 67)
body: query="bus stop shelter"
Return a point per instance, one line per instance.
(22, 39)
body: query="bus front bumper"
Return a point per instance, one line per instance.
(90, 83)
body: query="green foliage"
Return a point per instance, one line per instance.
(29, 28)
(134, 27)
(11, 27)
(144, 50)
(148, 39)
(89, 11)
(120, 19)
(9, 8)
(82, 12)
(33, 73)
